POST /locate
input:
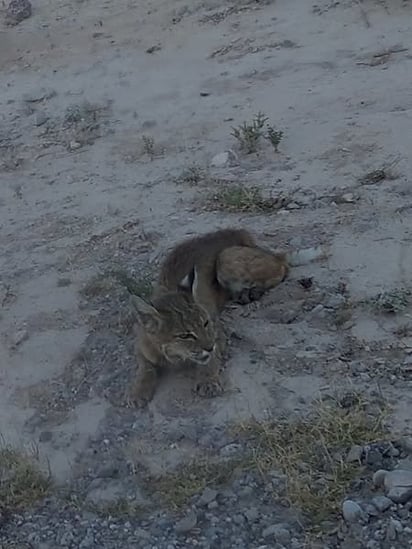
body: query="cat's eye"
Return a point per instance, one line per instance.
(188, 335)
(206, 324)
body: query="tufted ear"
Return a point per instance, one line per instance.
(147, 316)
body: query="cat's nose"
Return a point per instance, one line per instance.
(209, 349)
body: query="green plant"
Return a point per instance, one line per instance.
(238, 198)
(274, 137)
(192, 175)
(149, 146)
(248, 134)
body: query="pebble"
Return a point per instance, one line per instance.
(335, 301)
(207, 496)
(379, 477)
(230, 450)
(278, 532)
(400, 479)
(348, 198)
(351, 511)
(187, 523)
(74, 145)
(19, 337)
(252, 514)
(223, 159)
(382, 503)
(394, 528)
(293, 206)
(400, 494)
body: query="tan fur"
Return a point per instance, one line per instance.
(196, 279)
(201, 252)
(174, 331)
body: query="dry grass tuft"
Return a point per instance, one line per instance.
(311, 453)
(21, 481)
(177, 488)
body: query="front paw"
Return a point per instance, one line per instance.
(134, 401)
(138, 397)
(209, 388)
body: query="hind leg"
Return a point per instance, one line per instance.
(247, 273)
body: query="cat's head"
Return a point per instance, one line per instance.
(176, 325)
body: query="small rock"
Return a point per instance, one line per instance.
(335, 301)
(351, 511)
(19, 337)
(400, 494)
(230, 450)
(398, 477)
(347, 198)
(74, 145)
(394, 528)
(18, 11)
(278, 532)
(406, 444)
(154, 48)
(293, 206)
(207, 496)
(187, 523)
(379, 477)
(371, 510)
(251, 514)
(382, 503)
(355, 454)
(317, 310)
(223, 159)
(41, 118)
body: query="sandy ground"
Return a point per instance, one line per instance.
(80, 195)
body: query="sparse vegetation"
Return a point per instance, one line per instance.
(274, 137)
(192, 175)
(141, 286)
(82, 124)
(149, 146)
(81, 113)
(97, 285)
(21, 481)
(248, 134)
(103, 283)
(391, 301)
(311, 452)
(177, 488)
(238, 198)
(122, 507)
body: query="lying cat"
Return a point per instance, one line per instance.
(196, 280)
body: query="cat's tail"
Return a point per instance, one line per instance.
(307, 255)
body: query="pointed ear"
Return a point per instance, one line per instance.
(147, 315)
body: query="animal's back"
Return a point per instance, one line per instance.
(202, 252)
